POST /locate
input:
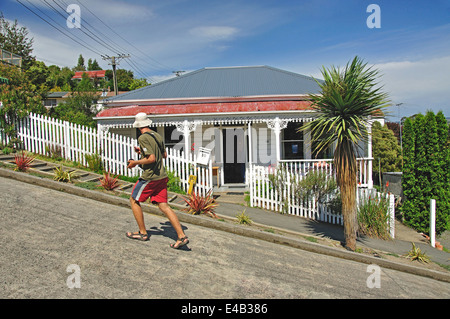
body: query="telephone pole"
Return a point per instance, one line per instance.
(115, 61)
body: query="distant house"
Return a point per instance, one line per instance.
(100, 74)
(54, 98)
(244, 115)
(95, 76)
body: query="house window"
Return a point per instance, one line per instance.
(324, 154)
(292, 142)
(50, 103)
(171, 136)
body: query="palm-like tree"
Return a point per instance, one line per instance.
(347, 100)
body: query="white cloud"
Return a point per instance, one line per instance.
(420, 85)
(214, 33)
(114, 9)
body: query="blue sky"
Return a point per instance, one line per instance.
(411, 49)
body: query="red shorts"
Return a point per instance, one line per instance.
(157, 190)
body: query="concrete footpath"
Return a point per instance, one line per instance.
(282, 229)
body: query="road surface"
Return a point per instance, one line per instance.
(52, 241)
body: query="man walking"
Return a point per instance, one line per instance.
(153, 182)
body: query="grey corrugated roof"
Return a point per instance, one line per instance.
(56, 94)
(226, 82)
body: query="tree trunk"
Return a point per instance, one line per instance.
(345, 163)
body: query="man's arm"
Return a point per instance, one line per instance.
(149, 159)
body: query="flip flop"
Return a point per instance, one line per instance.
(142, 237)
(184, 241)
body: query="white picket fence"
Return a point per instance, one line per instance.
(41, 135)
(264, 195)
(184, 168)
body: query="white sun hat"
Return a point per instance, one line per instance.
(141, 120)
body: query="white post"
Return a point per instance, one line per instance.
(392, 215)
(186, 128)
(369, 155)
(433, 222)
(277, 125)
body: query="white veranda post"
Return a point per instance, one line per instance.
(186, 128)
(276, 125)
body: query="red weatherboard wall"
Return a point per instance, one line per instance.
(206, 108)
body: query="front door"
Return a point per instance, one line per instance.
(234, 155)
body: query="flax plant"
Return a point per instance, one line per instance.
(347, 101)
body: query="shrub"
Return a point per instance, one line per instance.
(417, 254)
(94, 162)
(54, 152)
(62, 175)
(373, 217)
(244, 219)
(201, 205)
(426, 171)
(109, 182)
(174, 183)
(317, 186)
(23, 162)
(7, 150)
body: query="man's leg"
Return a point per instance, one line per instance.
(173, 218)
(138, 215)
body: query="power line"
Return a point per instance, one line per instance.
(55, 27)
(92, 36)
(166, 68)
(133, 65)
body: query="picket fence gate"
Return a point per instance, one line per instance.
(45, 135)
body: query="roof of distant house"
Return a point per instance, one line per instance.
(53, 95)
(226, 82)
(91, 74)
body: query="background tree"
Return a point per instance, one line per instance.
(137, 84)
(426, 171)
(395, 128)
(15, 40)
(38, 74)
(80, 107)
(93, 65)
(18, 98)
(80, 65)
(124, 79)
(347, 100)
(386, 150)
(409, 179)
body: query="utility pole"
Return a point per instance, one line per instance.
(115, 61)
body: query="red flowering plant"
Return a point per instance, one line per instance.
(109, 182)
(23, 161)
(201, 205)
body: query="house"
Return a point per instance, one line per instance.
(10, 58)
(99, 74)
(94, 76)
(243, 115)
(54, 98)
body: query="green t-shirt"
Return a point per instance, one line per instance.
(149, 146)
